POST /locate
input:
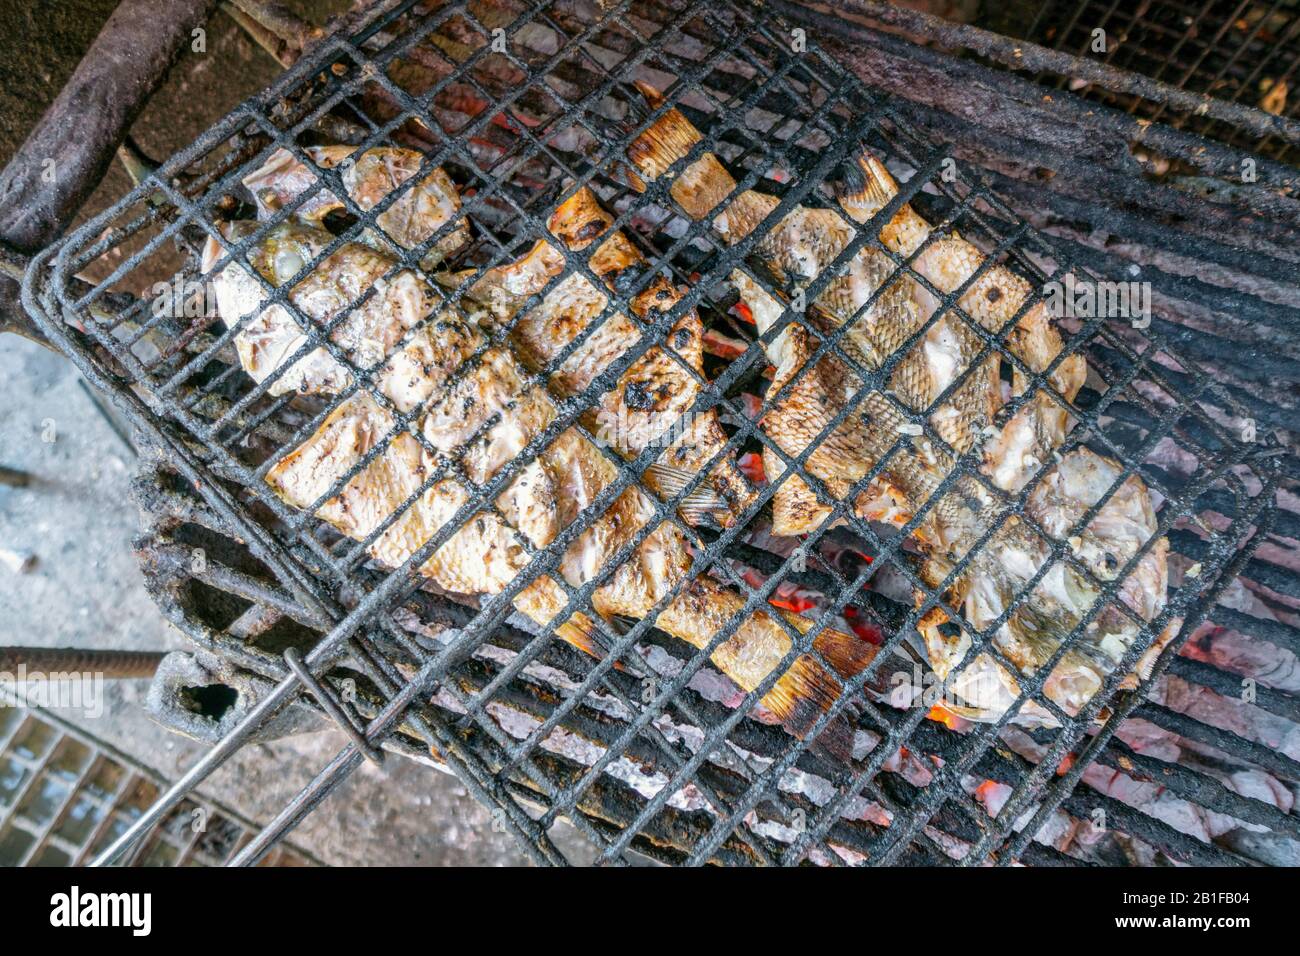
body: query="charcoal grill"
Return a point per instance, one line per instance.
(646, 757)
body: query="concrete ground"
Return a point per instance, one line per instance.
(78, 520)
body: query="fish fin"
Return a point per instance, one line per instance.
(702, 502)
(626, 175)
(801, 696)
(212, 253)
(580, 631)
(836, 740)
(620, 624)
(667, 140)
(579, 219)
(652, 96)
(848, 654)
(977, 715)
(865, 186)
(913, 645)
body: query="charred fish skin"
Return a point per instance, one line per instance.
(477, 412)
(653, 402)
(1015, 454)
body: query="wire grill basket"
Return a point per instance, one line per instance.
(647, 748)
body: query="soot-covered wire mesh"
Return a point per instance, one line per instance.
(1243, 52)
(645, 748)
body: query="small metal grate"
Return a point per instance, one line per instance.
(521, 104)
(64, 797)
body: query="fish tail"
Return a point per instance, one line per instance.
(804, 691)
(543, 600)
(801, 696)
(704, 184)
(848, 655)
(667, 140)
(865, 186)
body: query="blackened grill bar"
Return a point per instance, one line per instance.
(681, 777)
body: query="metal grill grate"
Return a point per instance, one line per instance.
(630, 749)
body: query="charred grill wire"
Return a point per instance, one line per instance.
(644, 746)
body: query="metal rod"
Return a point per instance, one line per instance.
(59, 660)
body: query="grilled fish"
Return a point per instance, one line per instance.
(1063, 597)
(652, 403)
(475, 411)
(1014, 455)
(648, 404)
(350, 283)
(967, 512)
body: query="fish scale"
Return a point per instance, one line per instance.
(799, 248)
(1035, 630)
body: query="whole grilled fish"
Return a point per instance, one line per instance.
(476, 412)
(967, 512)
(1016, 452)
(651, 404)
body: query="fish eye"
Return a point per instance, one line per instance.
(288, 263)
